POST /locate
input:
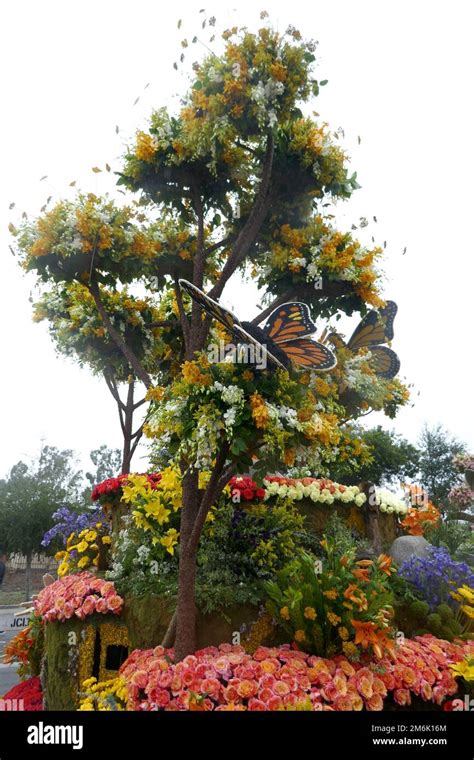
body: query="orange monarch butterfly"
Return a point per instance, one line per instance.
(375, 328)
(284, 339)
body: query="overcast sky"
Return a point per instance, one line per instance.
(399, 73)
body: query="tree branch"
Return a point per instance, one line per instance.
(112, 386)
(252, 226)
(138, 435)
(215, 246)
(182, 315)
(461, 516)
(208, 497)
(130, 356)
(163, 323)
(266, 312)
(140, 403)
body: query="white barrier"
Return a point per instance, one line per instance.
(13, 619)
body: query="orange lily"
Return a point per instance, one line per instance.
(364, 562)
(362, 574)
(384, 562)
(365, 633)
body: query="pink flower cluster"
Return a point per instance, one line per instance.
(77, 596)
(226, 678)
(461, 496)
(464, 462)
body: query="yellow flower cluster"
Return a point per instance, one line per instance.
(465, 595)
(260, 414)
(153, 506)
(146, 147)
(104, 696)
(193, 376)
(464, 669)
(86, 548)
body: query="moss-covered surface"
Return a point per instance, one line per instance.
(147, 618)
(355, 518)
(73, 653)
(62, 682)
(219, 627)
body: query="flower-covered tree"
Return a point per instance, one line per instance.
(235, 182)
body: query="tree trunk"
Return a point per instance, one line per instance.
(185, 641)
(127, 432)
(372, 514)
(28, 576)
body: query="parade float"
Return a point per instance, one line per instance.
(208, 583)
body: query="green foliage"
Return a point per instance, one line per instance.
(31, 493)
(322, 611)
(437, 473)
(241, 547)
(414, 618)
(106, 462)
(455, 536)
(339, 535)
(393, 459)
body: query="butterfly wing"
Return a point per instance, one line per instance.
(224, 316)
(308, 354)
(288, 322)
(242, 336)
(376, 327)
(385, 361)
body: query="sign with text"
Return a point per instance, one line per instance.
(13, 619)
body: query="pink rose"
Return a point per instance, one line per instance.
(101, 605)
(68, 610)
(114, 603)
(139, 678)
(402, 697)
(256, 705)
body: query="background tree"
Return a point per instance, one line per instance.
(437, 471)
(237, 181)
(392, 460)
(28, 497)
(78, 332)
(106, 462)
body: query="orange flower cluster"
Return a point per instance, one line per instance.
(419, 519)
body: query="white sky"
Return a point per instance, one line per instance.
(399, 73)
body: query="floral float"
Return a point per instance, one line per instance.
(226, 678)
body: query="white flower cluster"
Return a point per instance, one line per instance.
(390, 503)
(143, 553)
(234, 397)
(317, 492)
(264, 96)
(204, 440)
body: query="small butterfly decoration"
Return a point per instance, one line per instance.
(284, 338)
(375, 328)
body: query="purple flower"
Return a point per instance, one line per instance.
(435, 576)
(68, 520)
